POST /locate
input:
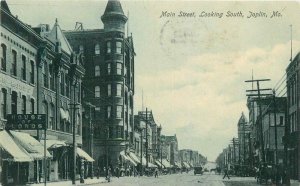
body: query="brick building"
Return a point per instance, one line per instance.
(38, 69)
(109, 84)
(292, 130)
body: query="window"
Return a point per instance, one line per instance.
(97, 49)
(119, 112)
(110, 135)
(78, 124)
(81, 49)
(108, 68)
(97, 70)
(108, 47)
(97, 91)
(51, 76)
(109, 90)
(14, 102)
(119, 90)
(14, 63)
(23, 70)
(108, 111)
(3, 103)
(31, 106)
(118, 47)
(3, 57)
(23, 104)
(119, 68)
(51, 117)
(62, 83)
(45, 75)
(32, 72)
(67, 86)
(281, 120)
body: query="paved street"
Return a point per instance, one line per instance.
(207, 179)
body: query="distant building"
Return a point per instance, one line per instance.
(109, 84)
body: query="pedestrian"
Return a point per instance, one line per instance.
(98, 172)
(156, 172)
(109, 174)
(117, 172)
(226, 173)
(105, 172)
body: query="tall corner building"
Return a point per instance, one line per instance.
(108, 85)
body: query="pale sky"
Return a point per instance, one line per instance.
(191, 70)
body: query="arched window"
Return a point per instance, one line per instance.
(97, 49)
(51, 117)
(97, 70)
(23, 70)
(31, 106)
(97, 91)
(32, 72)
(3, 103)
(14, 63)
(3, 57)
(23, 104)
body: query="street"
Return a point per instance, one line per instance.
(207, 179)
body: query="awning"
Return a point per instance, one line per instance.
(186, 165)
(81, 153)
(34, 148)
(134, 157)
(178, 164)
(63, 115)
(166, 163)
(151, 165)
(68, 118)
(157, 162)
(52, 144)
(127, 158)
(10, 146)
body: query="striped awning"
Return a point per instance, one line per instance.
(15, 151)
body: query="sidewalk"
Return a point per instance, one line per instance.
(87, 181)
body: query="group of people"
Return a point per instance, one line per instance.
(117, 172)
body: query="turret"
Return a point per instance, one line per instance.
(113, 17)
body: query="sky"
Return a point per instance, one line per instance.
(190, 71)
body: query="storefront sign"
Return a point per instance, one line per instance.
(26, 122)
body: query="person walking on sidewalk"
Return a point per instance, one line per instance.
(226, 173)
(156, 173)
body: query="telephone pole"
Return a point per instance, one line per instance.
(257, 94)
(146, 137)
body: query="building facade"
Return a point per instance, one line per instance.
(40, 74)
(109, 83)
(292, 129)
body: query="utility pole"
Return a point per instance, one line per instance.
(146, 137)
(141, 151)
(74, 131)
(275, 128)
(91, 136)
(258, 96)
(234, 156)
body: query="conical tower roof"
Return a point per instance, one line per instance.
(113, 10)
(242, 119)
